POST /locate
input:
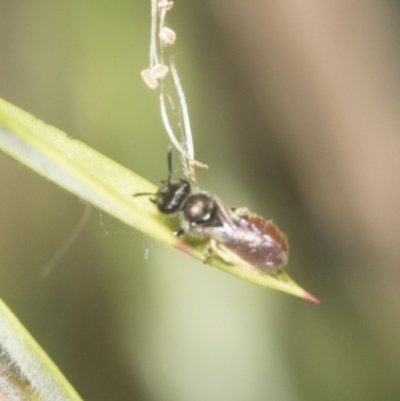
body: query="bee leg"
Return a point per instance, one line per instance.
(226, 254)
(208, 253)
(179, 232)
(240, 211)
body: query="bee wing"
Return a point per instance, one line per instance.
(228, 224)
(250, 238)
(227, 215)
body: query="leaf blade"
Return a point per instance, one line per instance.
(108, 186)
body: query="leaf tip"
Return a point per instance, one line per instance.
(309, 297)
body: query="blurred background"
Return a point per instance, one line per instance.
(295, 108)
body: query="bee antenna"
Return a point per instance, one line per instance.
(169, 159)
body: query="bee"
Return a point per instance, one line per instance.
(238, 236)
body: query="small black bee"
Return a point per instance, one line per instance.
(236, 235)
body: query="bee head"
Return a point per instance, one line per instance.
(172, 195)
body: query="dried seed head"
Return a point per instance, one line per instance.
(149, 78)
(167, 35)
(160, 71)
(165, 5)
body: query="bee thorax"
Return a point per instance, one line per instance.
(199, 208)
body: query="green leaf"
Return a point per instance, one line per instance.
(45, 381)
(108, 186)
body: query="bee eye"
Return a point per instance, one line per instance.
(199, 208)
(172, 195)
